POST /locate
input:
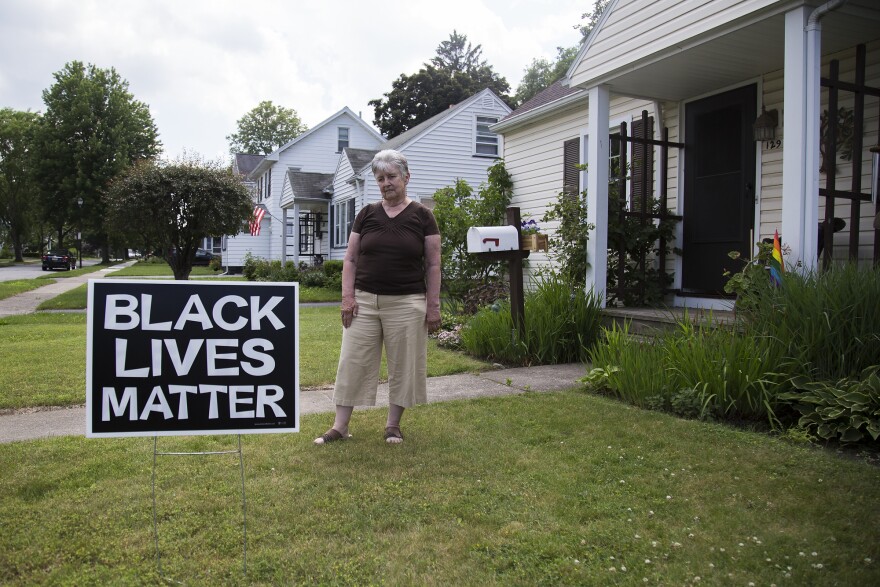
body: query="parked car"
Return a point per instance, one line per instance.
(59, 259)
(203, 256)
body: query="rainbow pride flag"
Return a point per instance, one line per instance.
(777, 268)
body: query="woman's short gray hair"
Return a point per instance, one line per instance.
(388, 158)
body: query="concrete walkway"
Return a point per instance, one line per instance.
(27, 302)
(29, 424)
(44, 422)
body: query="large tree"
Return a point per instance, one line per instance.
(454, 74)
(18, 191)
(542, 73)
(92, 130)
(173, 206)
(264, 129)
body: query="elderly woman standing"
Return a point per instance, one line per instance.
(390, 297)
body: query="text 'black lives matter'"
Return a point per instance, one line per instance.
(191, 357)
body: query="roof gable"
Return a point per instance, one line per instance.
(275, 155)
(360, 158)
(306, 184)
(630, 31)
(551, 93)
(412, 134)
(244, 163)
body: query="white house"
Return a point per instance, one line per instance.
(706, 70)
(455, 144)
(288, 184)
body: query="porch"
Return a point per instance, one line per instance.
(652, 322)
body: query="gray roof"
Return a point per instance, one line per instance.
(549, 94)
(245, 163)
(307, 184)
(360, 158)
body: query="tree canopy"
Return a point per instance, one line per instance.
(264, 129)
(542, 73)
(91, 131)
(454, 74)
(173, 206)
(18, 191)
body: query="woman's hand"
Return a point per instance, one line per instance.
(349, 310)
(432, 318)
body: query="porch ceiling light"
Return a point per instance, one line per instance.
(765, 125)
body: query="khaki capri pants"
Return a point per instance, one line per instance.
(398, 322)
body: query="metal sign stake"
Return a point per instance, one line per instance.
(156, 454)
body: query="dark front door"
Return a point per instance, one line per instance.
(719, 188)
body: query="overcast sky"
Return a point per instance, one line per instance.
(201, 65)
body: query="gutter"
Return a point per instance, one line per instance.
(812, 111)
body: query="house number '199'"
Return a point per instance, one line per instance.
(774, 144)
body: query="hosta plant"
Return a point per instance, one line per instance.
(846, 411)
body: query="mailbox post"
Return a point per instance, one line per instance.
(501, 243)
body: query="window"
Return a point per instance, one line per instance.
(213, 244)
(342, 142)
(343, 218)
(486, 141)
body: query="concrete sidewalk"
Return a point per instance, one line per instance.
(27, 302)
(29, 424)
(45, 422)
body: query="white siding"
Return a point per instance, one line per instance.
(533, 155)
(771, 159)
(636, 30)
(314, 152)
(343, 189)
(445, 153)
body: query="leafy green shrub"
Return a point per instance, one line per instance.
(568, 243)
(332, 268)
(257, 269)
(561, 323)
(848, 410)
(456, 209)
(313, 277)
(216, 263)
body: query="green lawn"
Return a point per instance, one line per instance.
(537, 489)
(43, 356)
(142, 269)
(76, 299)
(18, 286)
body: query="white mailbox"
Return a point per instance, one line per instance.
(486, 239)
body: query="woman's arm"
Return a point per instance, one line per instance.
(349, 269)
(432, 281)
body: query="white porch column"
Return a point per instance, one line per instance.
(283, 237)
(597, 189)
(800, 157)
(296, 234)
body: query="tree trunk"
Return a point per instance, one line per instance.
(15, 235)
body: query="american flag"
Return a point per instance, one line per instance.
(259, 212)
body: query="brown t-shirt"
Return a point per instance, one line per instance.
(391, 260)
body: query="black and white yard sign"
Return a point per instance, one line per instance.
(191, 357)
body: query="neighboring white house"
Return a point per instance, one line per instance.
(287, 183)
(455, 144)
(704, 69)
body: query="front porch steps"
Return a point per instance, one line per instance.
(651, 322)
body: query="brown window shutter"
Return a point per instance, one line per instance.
(641, 186)
(570, 172)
